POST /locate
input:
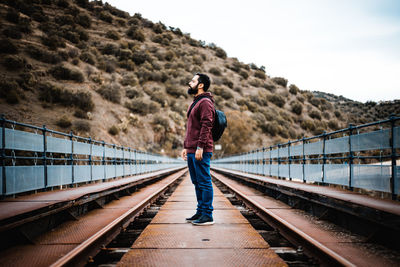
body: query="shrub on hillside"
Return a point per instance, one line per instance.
(315, 114)
(169, 55)
(9, 91)
(62, 3)
(300, 98)
(277, 100)
(255, 83)
(175, 90)
(135, 33)
(12, 62)
(269, 86)
(297, 108)
(113, 35)
(271, 128)
(260, 74)
(223, 92)
(235, 66)
(219, 52)
(338, 114)
(113, 130)
(110, 49)
(244, 74)
(333, 124)
(64, 122)
(111, 92)
(318, 131)
(88, 57)
(53, 94)
(227, 82)
(8, 47)
(280, 81)
(326, 115)
(157, 95)
(106, 16)
(157, 38)
(12, 15)
(84, 20)
(161, 120)
(315, 101)
(81, 126)
(215, 70)
(125, 54)
(140, 57)
(13, 97)
(307, 125)
(129, 79)
(62, 72)
(27, 81)
(132, 92)
(81, 114)
(197, 60)
(293, 89)
(12, 32)
(53, 41)
(159, 28)
(64, 20)
(142, 106)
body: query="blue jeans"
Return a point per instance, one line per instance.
(201, 178)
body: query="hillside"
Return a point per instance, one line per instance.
(93, 69)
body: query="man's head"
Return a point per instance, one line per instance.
(200, 82)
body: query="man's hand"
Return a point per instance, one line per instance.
(199, 154)
(184, 154)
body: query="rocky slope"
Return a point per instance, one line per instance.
(100, 72)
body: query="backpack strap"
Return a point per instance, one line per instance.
(195, 102)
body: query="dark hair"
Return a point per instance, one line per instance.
(205, 80)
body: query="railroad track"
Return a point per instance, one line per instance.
(79, 254)
(315, 246)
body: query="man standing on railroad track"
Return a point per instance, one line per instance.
(198, 147)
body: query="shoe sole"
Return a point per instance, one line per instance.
(206, 223)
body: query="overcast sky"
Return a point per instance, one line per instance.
(344, 47)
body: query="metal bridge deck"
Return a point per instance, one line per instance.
(170, 241)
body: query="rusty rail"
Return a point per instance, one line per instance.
(293, 234)
(82, 253)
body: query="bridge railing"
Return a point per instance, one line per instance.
(361, 156)
(34, 158)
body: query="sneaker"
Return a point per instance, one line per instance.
(194, 217)
(204, 220)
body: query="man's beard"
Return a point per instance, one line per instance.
(193, 91)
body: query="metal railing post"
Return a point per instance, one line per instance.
(130, 161)
(323, 157)
(123, 161)
(279, 160)
(115, 161)
(289, 161)
(393, 157)
(71, 136)
(270, 161)
(263, 161)
(350, 158)
(103, 161)
(90, 158)
(3, 155)
(44, 157)
(303, 162)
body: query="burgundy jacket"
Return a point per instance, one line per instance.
(199, 125)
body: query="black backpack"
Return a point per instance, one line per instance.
(220, 121)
